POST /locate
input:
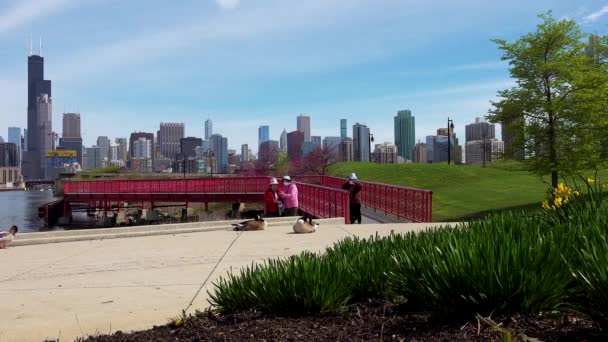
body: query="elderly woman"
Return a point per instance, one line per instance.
(289, 194)
(7, 237)
(272, 201)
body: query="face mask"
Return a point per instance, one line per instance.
(285, 183)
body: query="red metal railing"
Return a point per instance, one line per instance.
(405, 203)
(151, 186)
(320, 201)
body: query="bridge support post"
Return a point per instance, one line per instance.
(206, 206)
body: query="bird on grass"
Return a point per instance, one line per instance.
(305, 225)
(257, 224)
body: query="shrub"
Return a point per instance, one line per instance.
(305, 283)
(503, 264)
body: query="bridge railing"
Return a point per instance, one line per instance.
(323, 202)
(151, 186)
(405, 203)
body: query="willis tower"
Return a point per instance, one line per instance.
(39, 117)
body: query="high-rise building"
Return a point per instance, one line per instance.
(142, 148)
(479, 130)
(420, 153)
(489, 150)
(440, 147)
(208, 129)
(94, 158)
(283, 141)
(513, 137)
(9, 155)
(73, 144)
(430, 143)
(122, 148)
(332, 143)
(113, 153)
(295, 140)
(188, 147)
(346, 150)
(14, 136)
(405, 133)
(244, 153)
(103, 143)
(170, 135)
(263, 134)
(135, 137)
(343, 129)
(385, 153)
(361, 142)
(304, 126)
(268, 148)
(219, 146)
(39, 118)
(307, 147)
(71, 125)
(316, 141)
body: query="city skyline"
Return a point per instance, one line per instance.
(323, 84)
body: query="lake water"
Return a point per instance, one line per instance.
(20, 208)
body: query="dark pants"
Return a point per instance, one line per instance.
(290, 212)
(355, 213)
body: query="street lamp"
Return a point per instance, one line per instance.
(371, 140)
(450, 126)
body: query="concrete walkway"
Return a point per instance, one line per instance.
(101, 285)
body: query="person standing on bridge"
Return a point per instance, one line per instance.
(7, 237)
(289, 194)
(272, 201)
(354, 193)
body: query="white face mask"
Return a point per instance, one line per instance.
(285, 183)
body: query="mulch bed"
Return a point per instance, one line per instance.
(377, 321)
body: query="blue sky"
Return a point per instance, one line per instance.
(129, 65)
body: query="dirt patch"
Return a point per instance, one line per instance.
(377, 321)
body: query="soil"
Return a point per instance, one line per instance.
(377, 321)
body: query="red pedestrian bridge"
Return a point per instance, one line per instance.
(319, 196)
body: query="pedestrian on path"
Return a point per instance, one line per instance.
(289, 194)
(272, 202)
(354, 193)
(7, 237)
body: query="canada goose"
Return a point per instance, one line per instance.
(257, 224)
(305, 225)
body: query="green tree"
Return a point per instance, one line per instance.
(559, 100)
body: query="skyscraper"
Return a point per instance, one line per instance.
(208, 129)
(304, 126)
(332, 143)
(295, 140)
(73, 144)
(405, 133)
(385, 153)
(361, 142)
(481, 145)
(316, 141)
(343, 129)
(283, 141)
(219, 146)
(71, 125)
(143, 148)
(103, 143)
(39, 117)
(420, 153)
(170, 135)
(9, 155)
(479, 130)
(14, 135)
(346, 150)
(94, 159)
(263, 134)
(188, 147)
(134, 137)
(122, 148)
(244, 153)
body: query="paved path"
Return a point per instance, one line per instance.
(70, 289)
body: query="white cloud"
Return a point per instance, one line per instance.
(25, 11)
(228, 4)
(595, 16)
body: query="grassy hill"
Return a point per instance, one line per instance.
(459, 191)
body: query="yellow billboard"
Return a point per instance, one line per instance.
(61, 154)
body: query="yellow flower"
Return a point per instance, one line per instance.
(566, 200)
(577, 193)
(590, 180)
(546, 205)
(178, 323)
(558, 202)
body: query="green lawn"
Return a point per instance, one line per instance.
(459, 191)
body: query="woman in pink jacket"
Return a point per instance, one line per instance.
(289, 195)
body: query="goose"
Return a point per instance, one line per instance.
(305, 225)
(257, 224)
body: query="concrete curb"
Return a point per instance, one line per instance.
(27, 239)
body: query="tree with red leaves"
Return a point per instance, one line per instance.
(318, 161)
